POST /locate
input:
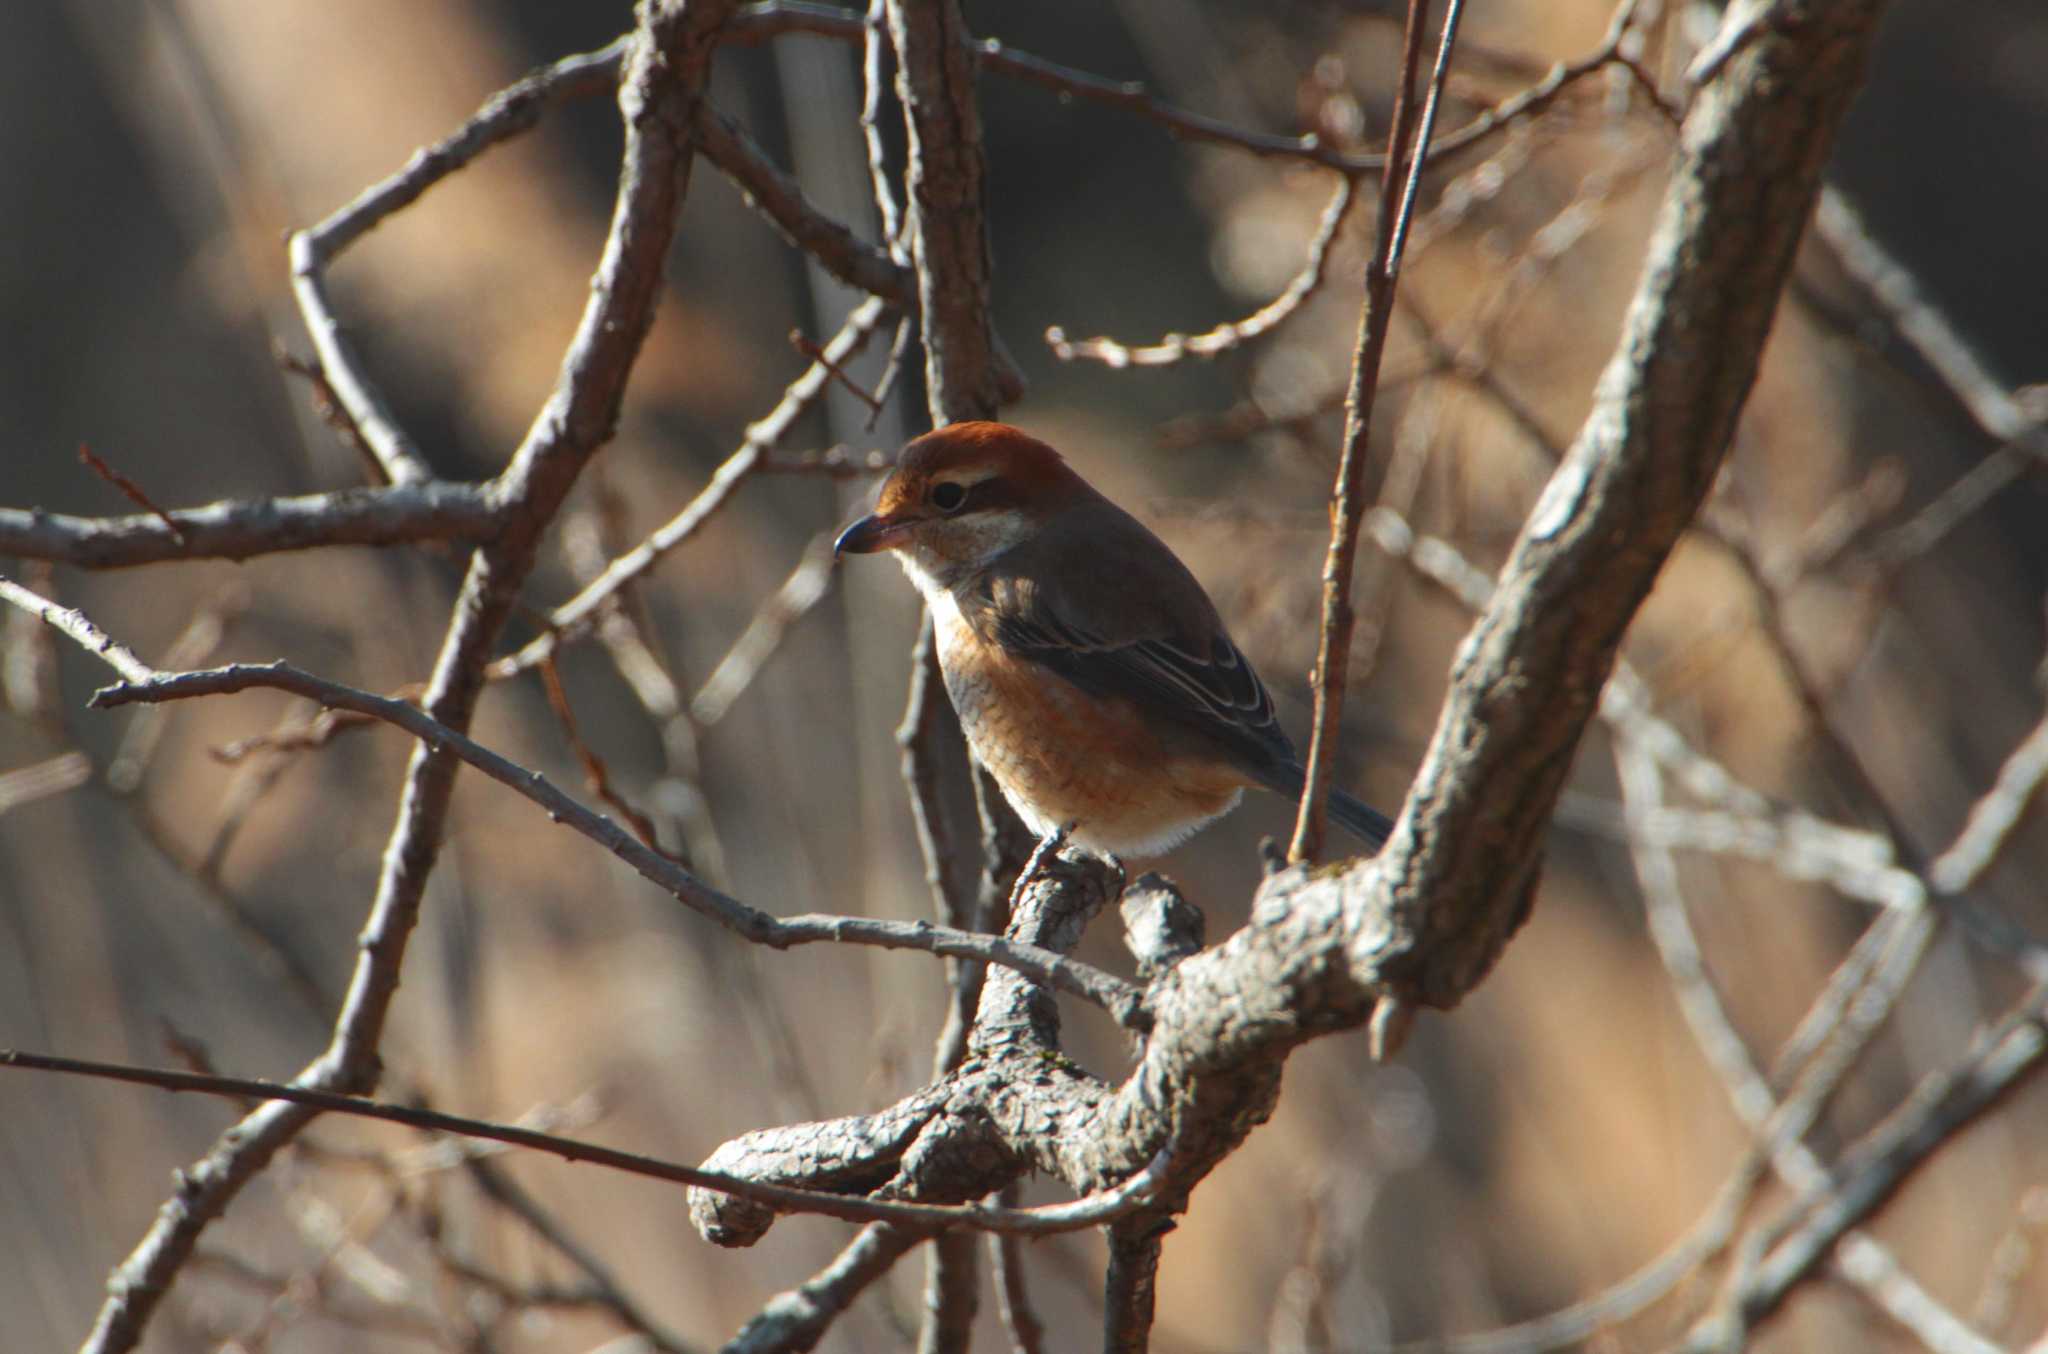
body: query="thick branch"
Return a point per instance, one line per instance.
(948, 233)
(1427, 918)
(1528, 677)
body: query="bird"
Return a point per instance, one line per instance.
(1092, 675)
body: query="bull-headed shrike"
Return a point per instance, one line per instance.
(1092, 675)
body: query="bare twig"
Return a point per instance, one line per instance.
(299, 736)
(829, 243)
(1942, 1106)
(1861, 998)
(28, 658)
(1228, 337)
(2019, 435)
(877, 56)
(775, 17)
(797, 1319)
(809, 348)
(1013, 1299)
(327, 403)
(1046, 1220)
(573, 618)
(196, 644)
(665, 75)
(1398, 190)
(603, 1286)
(1993, 817)
(840, 462)
(509, 112)
(805, 587)
(596, 776)
(1081, 980)
(81, 631)
(129, 490)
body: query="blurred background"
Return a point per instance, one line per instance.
(159, 903)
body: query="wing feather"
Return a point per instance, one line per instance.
(1154, 638)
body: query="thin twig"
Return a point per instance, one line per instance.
(299, 735)
(506, 114)
(574, 618)
(840, 462)
(129, 489)
(2019, 435)
(1861, 998)
(828, 243)
(1226, 337)
(1994, 816)
(56, 775)
(1133, 97)
(877, 55)
(1046, 1220)
(604, 1288)
(596, 776)
(1013, 1298)
(665, 76)
(1943, 1104)
(74, 624)
(327, 404)
(805, 587)
(804, 344)
(1398, 191)
(795, 1320)
(1119, 998)
(194, 645)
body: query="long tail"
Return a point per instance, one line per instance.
(1355, 816)
(1361, 820)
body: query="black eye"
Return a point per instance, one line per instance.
(948, 496)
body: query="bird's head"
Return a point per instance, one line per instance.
(961, 496)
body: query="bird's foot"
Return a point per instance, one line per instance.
(1048, 847)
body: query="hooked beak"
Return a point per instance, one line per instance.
(870, 534)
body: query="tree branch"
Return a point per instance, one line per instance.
(948, 234)
(1399, 184)
(240, 529)
(664, 81)
(439, 740)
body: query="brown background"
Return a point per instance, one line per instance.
(1542, 1141)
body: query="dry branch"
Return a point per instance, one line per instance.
(658, 97)
(241, 529)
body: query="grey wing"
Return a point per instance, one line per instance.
(1205, 686)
